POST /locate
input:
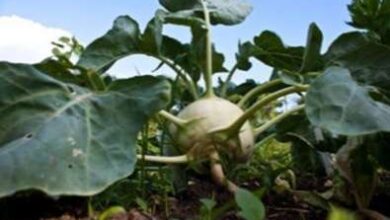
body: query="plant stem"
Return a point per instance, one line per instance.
(236, 126)
(95, 81)
(209, 52)
(144, 146)
(165, 159)
(277, 119)
(258, 89)
(91, 210)
(228, 79)
(175, 120)
(190, 83)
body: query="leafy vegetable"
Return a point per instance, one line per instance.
(337, 103)
(227, 12)
(64, 139)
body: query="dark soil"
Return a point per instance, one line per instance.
(36, 206)
(186, 205)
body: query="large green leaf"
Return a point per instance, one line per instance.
(337, 103)
(227, 12)
(64, 139)
(184, 18)
(122, 40)
(368, 61)
(270, 49)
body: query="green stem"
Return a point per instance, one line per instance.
(236, 126)
(144, 146)
(277, 119)
(189, 82)
(95, 81)
(91, 210)
(175, 120)
(165, 159)
(259, 89)
(228, 79)
(209, 52)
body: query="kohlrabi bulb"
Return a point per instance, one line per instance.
(207, 115)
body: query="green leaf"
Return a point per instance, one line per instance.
(368, 61)
(337, 103)
(312, 198)
(184, 18)
(251, 207)
(180, 5)
(209, 204)
(243, 55)
(152, 38)
(341, 214)
(227, 12)
(198, 53)
(312, 57)
(372, 15)
(61, 71)
(356, 166)
(67, 140)
(270, 49)
(242, 88)
(122, 40)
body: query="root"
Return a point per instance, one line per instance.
(219, 176)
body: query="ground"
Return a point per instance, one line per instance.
(185, 205)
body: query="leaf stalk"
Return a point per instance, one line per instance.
(234, 128)
(259, 89)
(277, 119)
(191, 85)
(228, 79)
(175, 120)
(165, 159)
(209, 59)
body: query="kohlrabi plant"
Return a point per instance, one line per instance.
(69, 128)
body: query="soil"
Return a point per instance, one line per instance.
(186, 205)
